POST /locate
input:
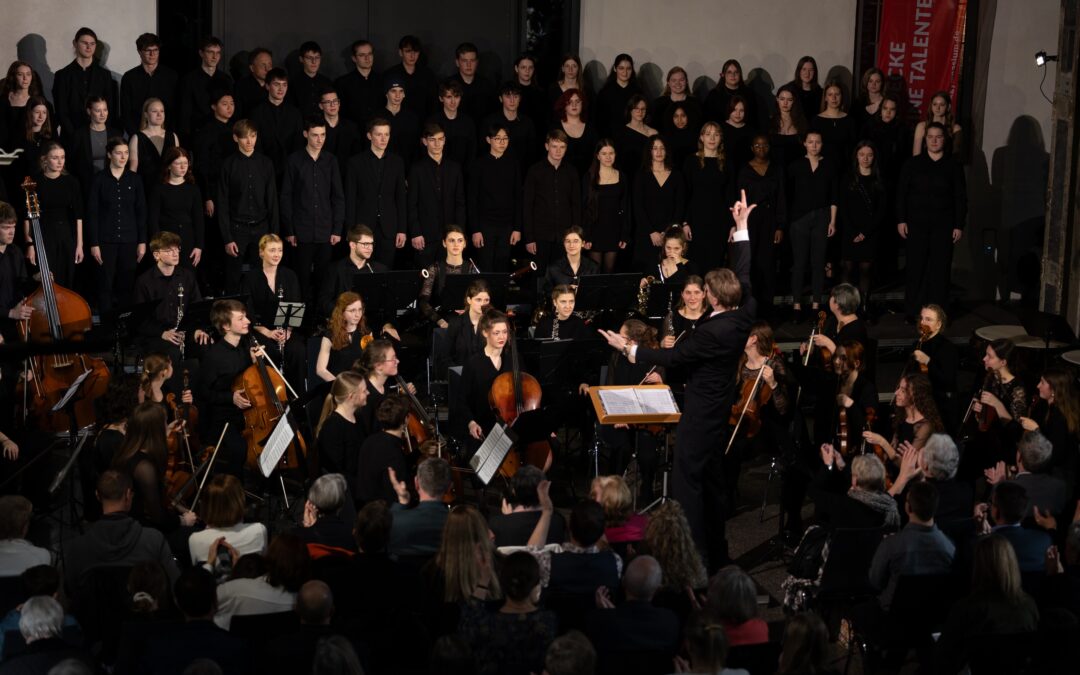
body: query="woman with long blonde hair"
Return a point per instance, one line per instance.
(339, 433)
(465, 560)
(149, 144)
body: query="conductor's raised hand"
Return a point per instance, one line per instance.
(740, 211)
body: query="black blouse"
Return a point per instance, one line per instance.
(339, 446)
(768, 193)
(343, 359)
(150, 159)
(465, 340)
(573, 328)
(607, 214)
(656, 206)
(264, 300)
(61, 201)
(560, 272)
(178, 209)
(476, 378)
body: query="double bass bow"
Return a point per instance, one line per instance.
(59, 314)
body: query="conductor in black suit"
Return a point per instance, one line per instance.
(710, 356)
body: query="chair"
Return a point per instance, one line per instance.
(262, 628)
(845, 580)
(759, 659)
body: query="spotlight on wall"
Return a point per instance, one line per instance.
(1041, 58)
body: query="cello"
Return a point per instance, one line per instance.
(510, 395)
(265, 389)
(59, 314)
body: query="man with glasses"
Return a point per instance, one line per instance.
(361, 89)
(339, 278)
(494, 203)
(164, 281)
(78, 80)
(436, 197)
(307, 87)
(149, 79)
(195, 88)
(341, 134)
(375, 193)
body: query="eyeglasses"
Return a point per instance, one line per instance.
(365, 244)
(500, 138)
(333, 101)
(393, 360)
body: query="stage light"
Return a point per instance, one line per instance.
(1041, 58)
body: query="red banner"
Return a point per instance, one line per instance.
(923, 41)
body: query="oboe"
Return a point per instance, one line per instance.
(281, 343)
(180, 315)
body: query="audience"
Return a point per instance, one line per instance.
(635, 624)
(1045, 492)
(417, 531)
(733, 604)
(16, 553)
(222, 511)
(40, 580)
(287, 563)
(1008, 503)
(294, 652)
(521, 511)
(805, 646)
(324, 530)
(570, 654)
(578, 566)
(41, 624)
(706, 648)
(623, 528)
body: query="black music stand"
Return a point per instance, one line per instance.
(125, 321)
(556, 361)
(598, 292)
(452, 296)
(385, 293)
(1049, 327)
(659, 297)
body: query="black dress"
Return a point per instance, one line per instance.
(607, 214)
(178, 209)
(150, 160)
(465, 340)
(264, 305)
(863, 208)
(339, 447)
(710, 189)
(476, 378)
(737, 144)
(343, 359)
(630, 148)
(61, 201)
(785, 148)
(681, 143)
(656, 208)
(662, 109)
(579, 151)
(767, 192)
(838, 137)
(573, 328)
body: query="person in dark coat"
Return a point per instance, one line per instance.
(609, 108)
(82, 78)
(436, 197)
(197, 86)
(147, 80)
(375, 193)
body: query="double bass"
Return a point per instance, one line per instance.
(510, 395)
(265, 388)
(59, 314)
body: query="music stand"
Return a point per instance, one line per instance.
(289, 314)
(123, 321)
(659, 296)
(452, 296)
(1050, 328)
(385, 293)
(197, 314)
(597, 292)
(555, 361)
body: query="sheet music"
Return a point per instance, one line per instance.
(656, 401)
(620, 402)
(275, 447)
(489, 457)
(71, 391)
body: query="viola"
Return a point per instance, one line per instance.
(924, 335)
(879, 452)
(984, 419)
(754, 394)
(420, 431)
(59, 314)
(826, 355)
(181, 462)
(265, 389)
(510, 395)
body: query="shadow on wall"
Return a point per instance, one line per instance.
(32, 49)
(1019, 172)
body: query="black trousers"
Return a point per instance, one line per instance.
(495, 254)
(763, 269)
(929, 267)
(60, 249)
(247, 244)
(308, 257)
(698, 482)
(386, 251)
(546, 252)
(116, 275)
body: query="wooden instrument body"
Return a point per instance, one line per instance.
(181, 462)
(266, 391)
(510, 395)
(826, 355)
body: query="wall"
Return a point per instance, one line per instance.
(40, 32)
(700, 35)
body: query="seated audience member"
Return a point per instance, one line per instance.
(1045, 492)
(222, 510)
(858, 501)
(333, 655)
(521, 510)
(668, 539)
(578, 566)
(37, 580)
(324, 529)
(570, 654)
(463, 569)
(451, 655)
(150, 591)
(634, 625)
(707, 648)
(622, 527)
(514, 638)
(41, 625)
(939, 461)
(417, 531)
(293, 653)
(733, 603)
(287, 563)
(919, 548)
(997, 604)
(16, 553)
(117, 539)
(805, 646)
(175, 646)
(1008, 504)
(1061, 588)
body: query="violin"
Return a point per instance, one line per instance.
(984, 419)
(265, 388)
(510, 395)
(59, 314)
(421, 431)
(924, 335)
(754, 394)
(181, 462)
(826, 355)
(879, 452)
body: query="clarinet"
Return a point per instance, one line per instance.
(281, 343)
(180, 315)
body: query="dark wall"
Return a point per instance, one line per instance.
(281, 25)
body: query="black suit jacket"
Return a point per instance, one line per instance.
(633, 626)
(70, 94)
(375, 197)
(429, 215)
(710, 355)
(174, 646)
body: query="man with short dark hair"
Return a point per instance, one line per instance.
(1008, 503)
(196, 87)
(460, 127)
(342, 134)
(477, 92)
(307, 87)
(279, 122)
(523, 145)
(361, 88)
(579, 565)
(82, 78)
(251, 88)
(417, 80)
(149, 79)
(436, 197)
(312, 206)
(417, 531)
(404, 124)
(521, 511)
(920, 548)
(375, 194)
(116, 539)
(552, 200)
(339, 277)
(176, 287)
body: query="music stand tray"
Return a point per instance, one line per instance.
(289, 314)
(1052, 329)
(597, 292)
(385, 293)
(197, 314)
(452, 296)
(635, 404)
